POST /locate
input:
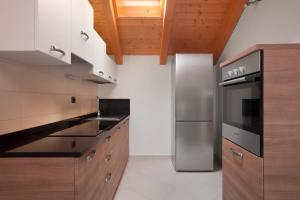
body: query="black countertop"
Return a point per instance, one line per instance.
(57, 139)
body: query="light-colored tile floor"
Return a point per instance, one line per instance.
(155, 179)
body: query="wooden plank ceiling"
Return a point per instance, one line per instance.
(166, 27)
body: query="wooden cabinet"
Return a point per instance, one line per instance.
(89, 173)
(36, 31)
(83, 39)
(37, 178)
(94, 176)
(117, 160)
(281, 138)
(242, 173)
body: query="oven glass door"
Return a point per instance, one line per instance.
(242, 106)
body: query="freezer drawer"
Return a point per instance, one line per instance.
(194, 146)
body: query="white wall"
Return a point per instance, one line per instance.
(148, 85)
(269, 21)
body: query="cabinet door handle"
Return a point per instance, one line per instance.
(54, 48)
(91, 156)
(84, 35)
(101, 73)
(125, 122)
(108, 138)
(237, 154)
(108, 158)
(108, 177)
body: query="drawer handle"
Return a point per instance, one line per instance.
(84, 35)
(54, 48)
(108, 138)
(125, 122)
(237, 154)
(101, 73)
(91, 156)
(108, 158)
(108, 177)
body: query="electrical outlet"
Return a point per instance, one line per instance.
(73, 99)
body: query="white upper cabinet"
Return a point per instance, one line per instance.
(51, 32)
(82, 30)
(36, 31)
(104, 67)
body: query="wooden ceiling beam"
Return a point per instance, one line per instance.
(169, 10)
(109, 12)
(232, 16)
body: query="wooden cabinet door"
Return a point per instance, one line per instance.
(90, 171)
(242, 173)
(36, 178)
(53, 28)
(82, 30)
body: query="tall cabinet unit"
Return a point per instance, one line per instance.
(275, 175)
(36, 31)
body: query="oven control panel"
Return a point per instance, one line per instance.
(237, 71)
(246, 65)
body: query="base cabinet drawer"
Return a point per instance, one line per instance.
(242, 173)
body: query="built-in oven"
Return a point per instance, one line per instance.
(242, 102)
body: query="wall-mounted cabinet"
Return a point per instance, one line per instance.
(36, 31)
(54, 32)
(82, 30)
(104, 67)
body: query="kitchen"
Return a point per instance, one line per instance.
(124, 54)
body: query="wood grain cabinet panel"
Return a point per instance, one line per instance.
(281, 127)
(37, 178)
(282, 123)
(242, 174)
(94, 176)
(89, 173)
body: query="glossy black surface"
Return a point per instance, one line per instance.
(52, 147)
(242, 104)
(68, 138)
(114, 107)
(86, 129)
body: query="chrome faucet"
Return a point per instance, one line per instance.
(98, 107)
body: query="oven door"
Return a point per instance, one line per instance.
(242, 111)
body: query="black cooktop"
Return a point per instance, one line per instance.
(51, 147)
(86, 129)
(67, 138)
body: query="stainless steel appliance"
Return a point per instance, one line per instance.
(192, 112)
(242, 102)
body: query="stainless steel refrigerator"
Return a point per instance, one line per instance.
(192, 112)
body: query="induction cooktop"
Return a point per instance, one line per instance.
(86, 129)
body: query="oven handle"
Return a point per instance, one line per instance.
(238, 80)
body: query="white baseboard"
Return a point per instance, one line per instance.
(150, 157)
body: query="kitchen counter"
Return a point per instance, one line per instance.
(57, 140)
